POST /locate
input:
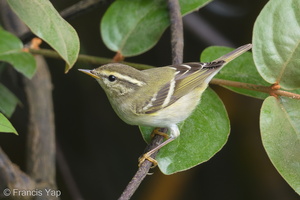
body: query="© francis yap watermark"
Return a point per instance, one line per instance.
(32, 193)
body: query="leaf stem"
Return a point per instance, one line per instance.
(259, 88)
(86, 58)
(100, 61)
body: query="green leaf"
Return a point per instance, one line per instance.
(191, 5)
(44, 21)
(203, 134)
(8, 101)
(242, 69)
(5, 125)
(133, 27)
(280, 132)
(11, 52)
(276, 43)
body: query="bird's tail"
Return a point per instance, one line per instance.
(212, 68)
(235, 53)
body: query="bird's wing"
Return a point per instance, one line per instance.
(187, 77)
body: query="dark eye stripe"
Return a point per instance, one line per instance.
(113, 78)
(122, 77)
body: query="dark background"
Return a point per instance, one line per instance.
(101, 151)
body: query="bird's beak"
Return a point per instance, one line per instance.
(89, 72)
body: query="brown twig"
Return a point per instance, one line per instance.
(12, 177)
(176, 32)
(177, 55)
(66, 174)
(41, 137)
(142, 170)
(85, 58)
(260, 88)
(100, 61)
(41, 133)
(79, 8)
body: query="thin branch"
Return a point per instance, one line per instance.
(100, 61)
(204, 31)
(65, 172)
(259, 88)
(176, 32)
(12, 177)
(142, 170)
(85, 58)
(80, 8)
(177, 55)
(41, 133)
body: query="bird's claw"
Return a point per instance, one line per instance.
(146, 156)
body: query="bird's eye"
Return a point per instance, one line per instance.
(111, 78)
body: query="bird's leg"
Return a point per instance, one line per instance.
(157, 131)
(147, 155)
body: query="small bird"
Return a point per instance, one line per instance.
(158, 97)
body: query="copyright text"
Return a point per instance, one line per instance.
(33, 193)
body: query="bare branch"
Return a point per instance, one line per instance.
(12, 177)
(101, 61)
(66, 174)
(177, 55)
(260, 88)
(142, 171)
(176, 32)
(41, 136)
(41, 133)
(81, 7)
(85, 58)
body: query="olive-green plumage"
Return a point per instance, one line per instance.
(158, 97)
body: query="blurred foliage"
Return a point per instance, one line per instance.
(275, 55)
(145, 20)
(11, 52)
(5, 125)
(45, 22)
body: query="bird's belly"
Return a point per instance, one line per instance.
(172, 114)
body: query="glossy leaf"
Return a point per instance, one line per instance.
(11, 52)
(242, 69)
(191, 5)
(133, 27)
(276, 43)
(280, 132)
(5, 125)
(203, 134)
(8, 101)
(44, 21)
